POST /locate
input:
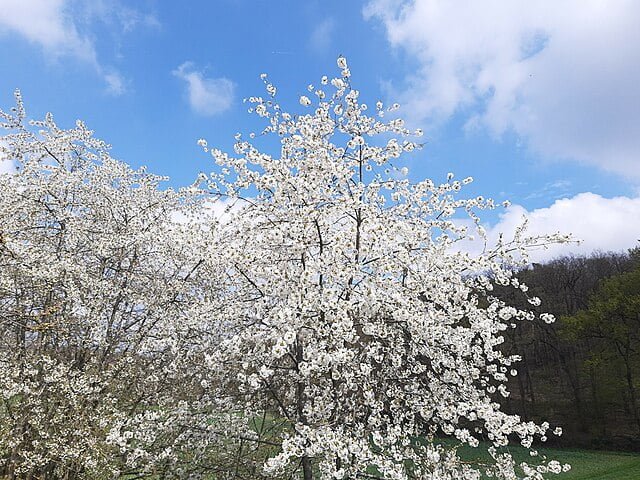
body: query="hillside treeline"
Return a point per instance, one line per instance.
(582, 371)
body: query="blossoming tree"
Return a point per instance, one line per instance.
(328, 327)
(354, 322)
(101, 304)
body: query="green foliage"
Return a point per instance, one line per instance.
(612, 325)
(613, 313)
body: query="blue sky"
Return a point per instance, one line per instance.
(539, 103)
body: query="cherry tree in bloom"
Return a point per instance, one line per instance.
(102, 297)
(352, 323)
(327, 327)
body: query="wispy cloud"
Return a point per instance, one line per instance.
(7, 165)
(207, 96)
(49, 24)
(63, 29)
(131, 18)
(563, 75)
(320, 39)
(552, 190)
(116, 84)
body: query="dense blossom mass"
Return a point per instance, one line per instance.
(327, 326)
(101, 312)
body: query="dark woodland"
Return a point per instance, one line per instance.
(583, 371)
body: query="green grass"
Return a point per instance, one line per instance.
(585, 464)
(590, 465)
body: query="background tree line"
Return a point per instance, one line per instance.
(583, 371)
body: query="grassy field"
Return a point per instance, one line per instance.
(585, 464)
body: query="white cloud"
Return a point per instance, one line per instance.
(6, 164)
(562, 74)
(62, 28)
(207, 96)
(116, 85)
(48, 24)
(320, 39)
(601, 224)
(130, 18)
(221, 210)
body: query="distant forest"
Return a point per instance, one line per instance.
(583, 371)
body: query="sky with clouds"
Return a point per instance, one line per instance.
(538, 101)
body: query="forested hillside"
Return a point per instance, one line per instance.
(583, 371)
